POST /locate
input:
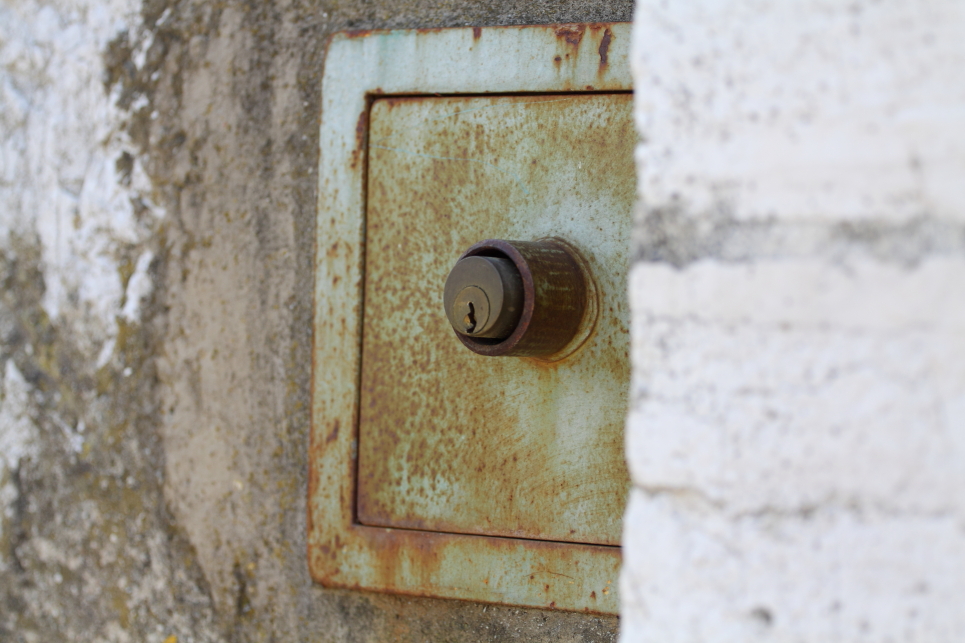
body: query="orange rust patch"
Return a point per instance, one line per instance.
(360, 129)
(605, 47)
(359, 33)
(572, 34)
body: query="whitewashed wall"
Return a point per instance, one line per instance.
(796, 435)
(61, 135)
(61, 190)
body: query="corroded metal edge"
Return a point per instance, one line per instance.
(510, 571)
(358, 67)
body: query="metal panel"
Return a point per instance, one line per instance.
(458, 442)
(342, 552)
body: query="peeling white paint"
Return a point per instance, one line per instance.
(61, 137)
(139, 286)
(17, 436)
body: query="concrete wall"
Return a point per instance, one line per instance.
(797, 431)
(157, 203)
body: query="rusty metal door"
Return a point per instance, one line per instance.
(457, 442)
(433, 470)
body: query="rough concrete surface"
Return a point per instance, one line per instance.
(796, 437)
(157, 200)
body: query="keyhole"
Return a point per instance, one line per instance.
(470, 319)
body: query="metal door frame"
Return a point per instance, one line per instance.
(360, 67)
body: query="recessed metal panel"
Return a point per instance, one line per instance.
(475, 555)
(505, 446)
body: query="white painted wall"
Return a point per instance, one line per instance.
(796, 435)
(60, 137)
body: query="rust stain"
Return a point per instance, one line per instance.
(476, 33)
(412, 562)
(395, 548)
(413, 559)
(605, 47)
(361, 127)
(359, 33)
(333, 434)
(312, 486)
(572, 34)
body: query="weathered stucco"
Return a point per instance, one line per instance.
(796, 436)
(157, 203)
(88, 550)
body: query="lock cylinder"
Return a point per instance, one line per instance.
(520, 298)
(484, 297)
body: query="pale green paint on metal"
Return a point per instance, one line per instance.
(341, 552)
(454, 441)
